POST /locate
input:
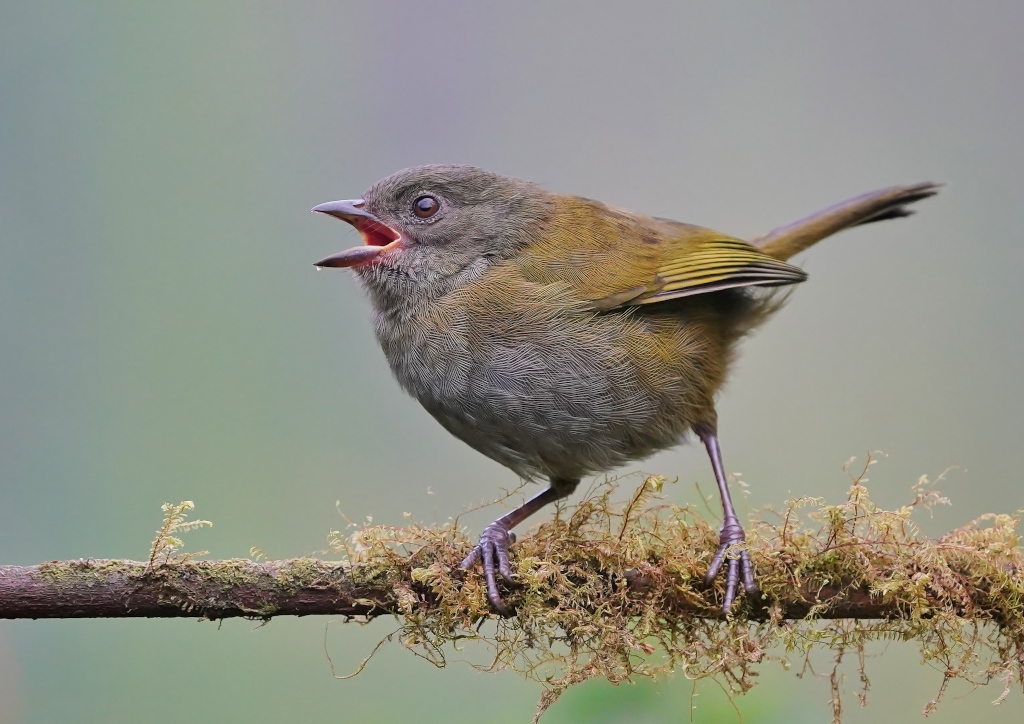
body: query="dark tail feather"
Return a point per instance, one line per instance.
(890, 203)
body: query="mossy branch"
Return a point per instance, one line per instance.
(612, 589)
(106, 588)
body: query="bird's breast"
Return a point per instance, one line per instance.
(542, 384)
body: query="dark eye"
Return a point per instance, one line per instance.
(425, 206)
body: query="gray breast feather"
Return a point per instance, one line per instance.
(539, 409)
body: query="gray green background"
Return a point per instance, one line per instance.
(163, 334)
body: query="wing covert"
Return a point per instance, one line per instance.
(613, 258)
(715, 263)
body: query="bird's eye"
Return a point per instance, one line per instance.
(425, 206)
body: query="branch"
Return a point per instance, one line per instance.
(610, 589)
(97, 588)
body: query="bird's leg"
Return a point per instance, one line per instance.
(732, 532)
(492, 550)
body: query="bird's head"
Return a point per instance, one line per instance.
(430, 229)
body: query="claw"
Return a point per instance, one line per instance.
(492, 551)
(737, 567)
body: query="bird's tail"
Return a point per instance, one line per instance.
(890, 203)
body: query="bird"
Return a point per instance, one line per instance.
(564, 337)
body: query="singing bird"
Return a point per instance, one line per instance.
(563, 337)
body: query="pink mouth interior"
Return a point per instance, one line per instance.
(377, 234)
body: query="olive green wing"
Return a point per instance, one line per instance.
(712, 262)
(613, 259)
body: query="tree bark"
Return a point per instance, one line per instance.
(94, 588)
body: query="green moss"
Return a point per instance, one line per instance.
(613, 590)
(60, 573)
(166, 545)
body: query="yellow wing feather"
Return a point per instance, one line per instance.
(614, 258)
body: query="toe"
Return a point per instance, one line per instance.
(731, 584)
(716, 565)
(504, 567)
(747, 571)
(472, 559)
(488, 564)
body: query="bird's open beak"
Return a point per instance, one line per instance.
(378, 237)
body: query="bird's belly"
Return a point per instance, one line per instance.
(542, 420)
(545, 402)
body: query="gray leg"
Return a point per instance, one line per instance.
(732, 531)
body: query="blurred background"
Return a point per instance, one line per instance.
(164, 336)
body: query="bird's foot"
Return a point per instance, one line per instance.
(492, 552)
(738, 565)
